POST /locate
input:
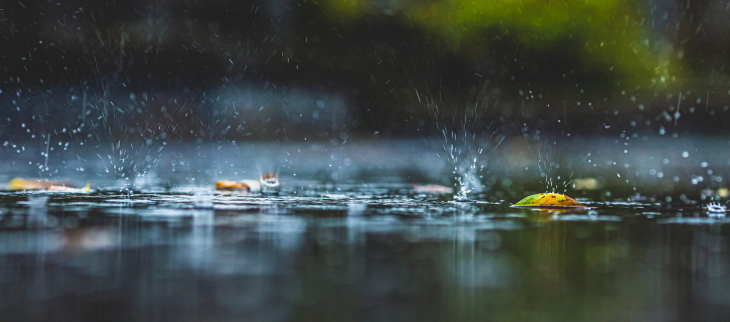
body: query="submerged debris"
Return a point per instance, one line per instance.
(549, 200)
(20, 184)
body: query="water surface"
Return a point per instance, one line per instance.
(365, 252)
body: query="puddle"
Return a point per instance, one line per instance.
(163, 254)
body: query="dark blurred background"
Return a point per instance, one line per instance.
(185, 70)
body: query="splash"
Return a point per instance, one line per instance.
(716, 209)
(465, 154)
(555, 176)
(463, 193)
(203, 199)
(552, 182)
(465, 139)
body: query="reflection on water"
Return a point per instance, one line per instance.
(199, 256)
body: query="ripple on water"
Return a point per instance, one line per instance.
(585, 218)
(161, 213)
(695, 220)
(129, 201)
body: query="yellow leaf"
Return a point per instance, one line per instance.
(549, 200)
(22, 184)
(225, 185)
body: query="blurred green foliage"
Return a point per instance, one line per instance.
(598, 39)
(395, 67)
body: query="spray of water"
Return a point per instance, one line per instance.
(551, 175)
(716, 209)
(464, 138)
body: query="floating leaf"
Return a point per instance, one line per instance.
(432, 188)
(549, 200)
(18, 184)
(25, 184)
(85, 189)
(225, 185)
